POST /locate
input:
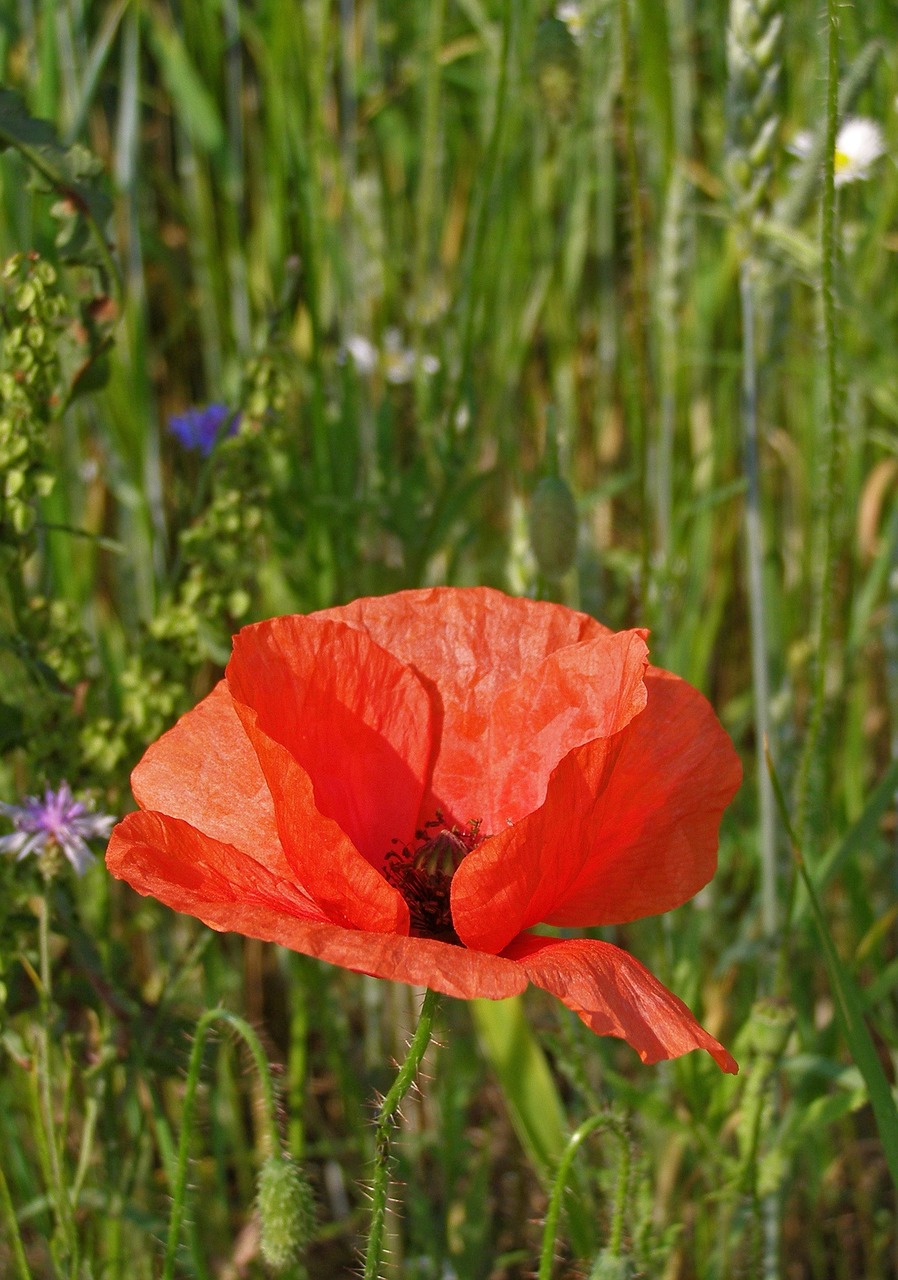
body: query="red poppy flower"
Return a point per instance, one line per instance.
(407, 785)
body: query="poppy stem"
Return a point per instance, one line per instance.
(381, 1179)
(271, 1141)
(550, 1231)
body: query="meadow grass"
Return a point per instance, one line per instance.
(580, 252)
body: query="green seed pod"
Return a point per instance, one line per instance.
(21, 518)
(25, 296)
(286, 1212)
(556, 67)
(610, 1266)
(553, 526)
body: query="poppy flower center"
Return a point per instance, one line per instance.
(423, 874)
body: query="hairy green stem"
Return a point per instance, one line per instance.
(297, 1055)
(559, 1186)
(381, 1180)
(272, 1138)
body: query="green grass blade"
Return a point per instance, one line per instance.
(534, 1106)
(849, 1007)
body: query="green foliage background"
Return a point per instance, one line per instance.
(543, 237)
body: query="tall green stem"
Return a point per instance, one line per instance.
(12, 1229)
(58, 1191)
(833, 430)
(475, 273)
(272, 1138)
(757, 608)
(559, 1186)
(381, 1180)
(426, 201)
(641, 397)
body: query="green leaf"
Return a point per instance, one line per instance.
(71, 172)
(534, 1106)
(863, 832)
(849, 1006)
(194, 104)
(12, 727)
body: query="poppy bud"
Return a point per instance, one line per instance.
(286, 1212)
(553, 526)
(610, 1266)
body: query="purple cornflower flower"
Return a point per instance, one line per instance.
(58, 820)
(202, 425)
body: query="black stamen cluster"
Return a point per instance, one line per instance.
(423, 875)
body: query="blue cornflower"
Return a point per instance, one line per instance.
(201, 426)
(57, 821)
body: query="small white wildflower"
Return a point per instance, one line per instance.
(859, 144)
(802, 144)
(399, 360)
(463, 416)
(364, 353)
(57, 821)
(396, 359)
(570, 12)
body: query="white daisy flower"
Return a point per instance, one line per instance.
(860, 142)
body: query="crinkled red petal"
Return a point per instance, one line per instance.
(520, 683)
(629, 828)
(228, 891)
(184, 868)
(351, 715)
(322, 858)
(205, 771)
(616, 996)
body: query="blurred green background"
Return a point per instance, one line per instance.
(479, 279)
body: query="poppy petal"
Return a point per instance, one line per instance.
(520, 683)
(615, 995)
(222, 887)
(629, 828)
(182, 867)
(576, 695)
(676, 773)
(351, 715)
(204, 770)
(322, 857)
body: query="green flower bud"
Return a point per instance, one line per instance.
(286, 1211)
(553, 526)
(610, 1266)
